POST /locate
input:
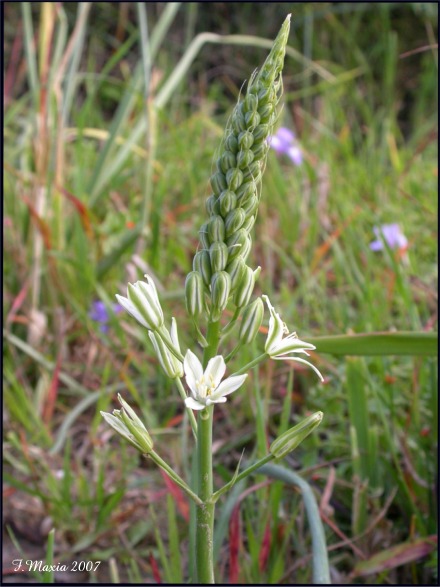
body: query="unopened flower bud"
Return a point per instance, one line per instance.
(234, 178)
(238, 122)
(293, 437)
(253, 171)
(261, 150)
(247, 246)
(244, 158)
(261, 132)
(266, 113)
(218, 183)
(212, 205)
(245, 288)
(218, 254)
(251, 103)
(170, 364)
(264, 95)
(220, 289)
(203, 236)
(249, 223)
(227, 160)
(251, 321)
(227, 202)
(231, 143)
(235, 268)
(245, 140)
(142, 302)
(246, 191)
(252, 119)
(194, 294)
(251, 206)
(126, 423)
(236, 243)
(234, 220)
(202, 264)
(216, 229)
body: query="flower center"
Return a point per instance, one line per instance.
(204, 387)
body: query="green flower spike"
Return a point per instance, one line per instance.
(233, 205)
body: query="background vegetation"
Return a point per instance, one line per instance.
(113, 113)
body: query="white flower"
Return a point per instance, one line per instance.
(280, 348)
(142, 302)
(205, 386)
(170, 364)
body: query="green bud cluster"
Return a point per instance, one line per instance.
(233, 205)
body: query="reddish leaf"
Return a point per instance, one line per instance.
(81, 208)
(393, 557)
(18, 301)
(234, 544)
(265, 548)
(52, 395)
(155, 569)
(177, 493)
(41, 224)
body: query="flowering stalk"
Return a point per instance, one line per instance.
(220, 278)
(225, 244)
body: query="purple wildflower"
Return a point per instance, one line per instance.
(99, 313)
(392, 235)
(284, 142)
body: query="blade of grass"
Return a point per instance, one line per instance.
(49, 575)
(378, 344)
(29, 48)
(173, 537)
(321, 570)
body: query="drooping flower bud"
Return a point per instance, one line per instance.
(126, 423)
(142, 302)
(293, 437)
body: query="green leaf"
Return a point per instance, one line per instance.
(378, 344)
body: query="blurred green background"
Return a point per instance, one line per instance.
(113, 113)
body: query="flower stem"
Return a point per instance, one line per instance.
(242, 475)
(253, 363)
(174, 476)
(205, 511)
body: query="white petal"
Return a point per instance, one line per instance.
(291, 344)
(216, 369)
(153, 287)
(228, 386)
(220, 400)
(131, 309)
(300, 361)
(193, 404)
(174, 335)
(193, 370)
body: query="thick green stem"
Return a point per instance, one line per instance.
(205, 511)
